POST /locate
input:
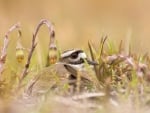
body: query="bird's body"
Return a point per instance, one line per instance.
(50, 77)
(70, 71)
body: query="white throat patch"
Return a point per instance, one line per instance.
(79, 67)
(82, 55)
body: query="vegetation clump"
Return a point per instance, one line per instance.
(123, 80)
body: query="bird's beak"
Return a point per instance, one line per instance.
(91, 62)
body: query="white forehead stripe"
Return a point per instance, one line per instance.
(82, 55)
(67, 53)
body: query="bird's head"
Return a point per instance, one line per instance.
(76, 58)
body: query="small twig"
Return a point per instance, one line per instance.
(100, 57)
(78, 83)
(28, 91)
(5, 46)
(93, 57)
(120, 47)
(33, 46)
(88, 95)
(102, 45)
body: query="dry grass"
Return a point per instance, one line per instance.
(123, 79)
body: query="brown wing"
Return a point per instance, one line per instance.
(87, 76)
(50, 77)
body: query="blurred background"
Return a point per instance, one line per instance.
(77, 21)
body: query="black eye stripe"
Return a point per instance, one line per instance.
(77, 62)
(76, 52)
(74, 55)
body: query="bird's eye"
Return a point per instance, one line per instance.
(74, 55)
